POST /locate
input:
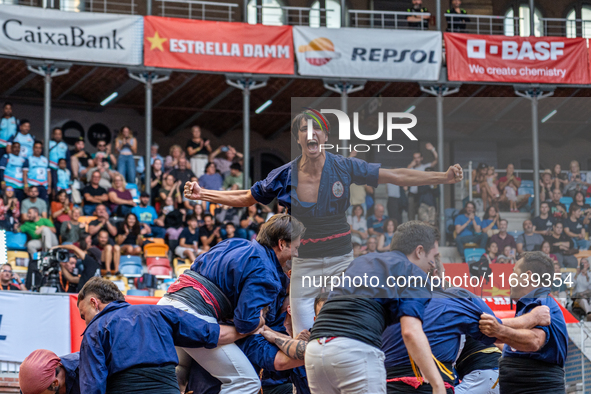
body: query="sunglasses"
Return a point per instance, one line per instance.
(9, 271)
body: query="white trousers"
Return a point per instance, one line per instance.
(307, 281)
(479, 382)
(226, 363)
(345, 366)
(198, 164)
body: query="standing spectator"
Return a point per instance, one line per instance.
(455, 23)
(9, 280)
(198, 150)
(557, 209)
(170, 188)
(490, 221)
(154, 155)
(156, 181)
(25, 140)
(543, 224)
(183, 174)
(223, 163)
(418, 21)
(417, 164)
(209, 234)
(60, 210)
(9, 210)
(397, 201)
(110, 254)
(250, 222)
(58, 150)
(427, 201)
(385, 239)
(503, 239)
(529, 241)
(559, 178)
(63, 177)
(14, 172)
(120, 198)
(491, 186)
(211, 180)
(358, 225)
(129, 236)
(126, 147)
(235, 179)
(40, 231)
(104, 151)
(546, 186)
(375, 223)
(562, 246)
(33, 201)
(510, 184)
(71, 230)
(582, 292)
(147, 214)
(547, 249)
(8, 127)
(480, 184)
(80, 160)
(574, 228)
(39, 174)
(468, 228)
(93, 194)
(189, 241)
(172, 160)
(102, 223)
(90, 259)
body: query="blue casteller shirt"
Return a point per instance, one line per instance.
(71, 362)
(555, 349)
(8, 129)
(450, 314)
(123, 336)
(250, 276)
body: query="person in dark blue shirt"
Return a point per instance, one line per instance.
(131, 348)
(43, 371)
(533, 359)
(315, 189)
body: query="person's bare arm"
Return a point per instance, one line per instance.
(79, 252)
(418, 348)
(408, 177)
(570, 233)
(524, 340)
(233, 198)
(69, 277)
(539, 316)
(292, 351)
(228, 334)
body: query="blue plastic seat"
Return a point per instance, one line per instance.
(130, 260)
(515, 234)
(16, 241)
(566, 200)
(525, 190)
(588, 200)
(136, 292)
(131, 270)
(471, 255)
(527, 184)
(134, 190)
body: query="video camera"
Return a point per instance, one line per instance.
(49, 266)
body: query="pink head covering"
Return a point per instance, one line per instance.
(38, 371)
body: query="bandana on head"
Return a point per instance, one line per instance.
(38, 371)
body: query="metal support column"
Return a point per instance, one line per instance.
(439, 15)
(148, 78)
(534, 94)
(246, 84)
(532, 14)
(344, 14)
(48, 71)
(344, 88)
(440, 91)
(148, 7)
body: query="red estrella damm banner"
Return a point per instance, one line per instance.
(217, 46)
(555, 60)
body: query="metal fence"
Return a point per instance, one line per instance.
(389, 20)
(483, 24)
(560, 27)
(202, 10)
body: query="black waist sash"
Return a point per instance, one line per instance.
(325, 236)
(528, 376)
(144, 380)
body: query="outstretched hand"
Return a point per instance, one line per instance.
(192, 191)
(454, 174)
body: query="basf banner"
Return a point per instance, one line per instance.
(217, 46)
(368, 53)
(516, 59)
(87, 37)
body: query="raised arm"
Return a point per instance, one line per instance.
(233, 198)
(408, 177)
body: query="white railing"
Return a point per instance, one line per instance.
(105, 6)
(202, 10)
(482, 24)
(292, 16)
(388, 20)
(561, 27)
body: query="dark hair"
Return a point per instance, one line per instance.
(538, 263)
(573, 208)
(7, 103)
(192, 217)
(61, 160)
(103, 230)
(320, 298)
(575, 196)
(360, 206)
(23, 121)
(230, 224)
(544, 202)
(546, 242)
(489, 243)
(209, 163)
(38, 142)
(463, 211)
(33, 187)
(556, 190)
(236, 166)
(410, 235)
(105, 290)
(206, 215)
(487, 216)
(504, 220)
(385, 226)
(307, 114)
(82, 241)
(280, 227)
(136, 229)
(56, 128)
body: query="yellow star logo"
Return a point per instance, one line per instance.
(156, 41)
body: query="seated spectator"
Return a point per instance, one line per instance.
(71, 230)
(173, 220)
(468, 228)
(507, 257)
(546, 186)
(14, 171)
(562, 246)
(574, 228)
(171, 188)
(547, 248)
(183, 174)
(110, 253)
(200, 211)
(60, 210)
(33, 202)
(481, 268)
(456, 17)
(103, 151)
(223, 214)
(371, 246)
(189, 241)
(557, 209)
(582, 292)
(80, 160)
(385, 238)
(129, 236)
(235, 179)
(543, 224)
(230, 231)
(189, 205)
(102, 223)
(490, 221)
(40, 231)
(576, 180)
(223, 163)
(154, 155)
(64, 177)
(120, 198)
(492, 251)
(579, 201)
(509, 187)
(358, 225)
(211, 180)
(278, 208)
(89, 256)
(9, 210)
(102, 167)
(172, 160)
(209, 233)
(156, 183)
(503, 239)
(250, 222)
(529, 241)
(147, 215)
(418, 21)
(559, 178)
(375, 223)
(93, 194)
(10, 280)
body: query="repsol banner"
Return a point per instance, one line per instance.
(87, 37)
(368, 53)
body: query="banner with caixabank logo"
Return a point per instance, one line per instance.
(368, 53)
(481, 58)
(57, 35)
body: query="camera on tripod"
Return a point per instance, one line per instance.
(49, 267)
